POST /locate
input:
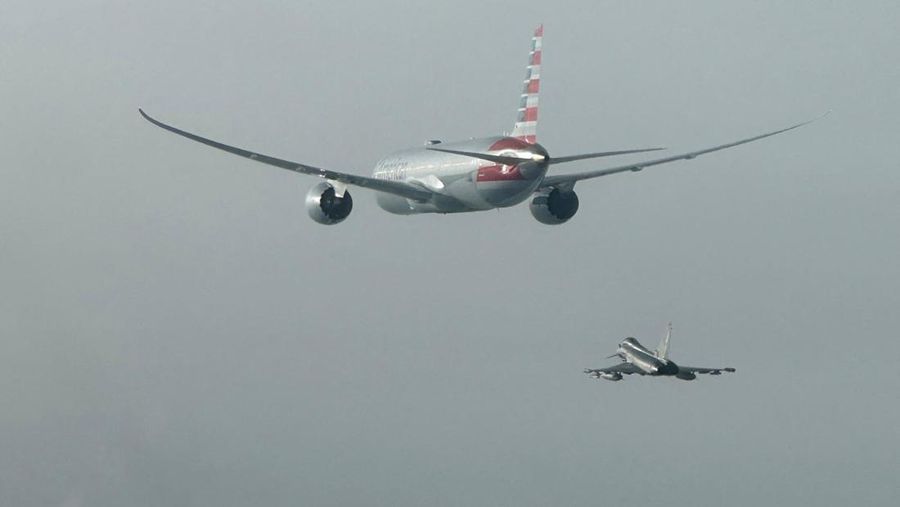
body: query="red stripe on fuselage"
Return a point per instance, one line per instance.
(528, 139)
(499, 173)
(509, 143)
(502, 172)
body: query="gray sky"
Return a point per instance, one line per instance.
(174, 330)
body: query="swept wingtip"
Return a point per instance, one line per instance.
(821, 116)
(807, 122)
(150, 118)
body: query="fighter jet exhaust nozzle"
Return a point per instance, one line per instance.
(554, 206)
(325, 206)
(669, 368)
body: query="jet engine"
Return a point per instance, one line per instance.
(554, 206)
(614, 376)
(686, 375)
(324, 205)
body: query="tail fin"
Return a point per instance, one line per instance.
(526, 122)
(662, 351)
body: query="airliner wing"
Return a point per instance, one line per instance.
(710, 371)
(563, 179)
(388, 186)
(624, 368)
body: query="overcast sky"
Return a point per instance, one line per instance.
(174, 330)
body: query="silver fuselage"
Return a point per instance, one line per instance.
(633, 352)
(462, 183)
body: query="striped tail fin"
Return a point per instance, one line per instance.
(526, 123)
(662, 351)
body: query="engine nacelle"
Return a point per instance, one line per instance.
(325, 207)
(686, 375)
(554, 206)
(614, 376)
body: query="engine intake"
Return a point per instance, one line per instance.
(325, 207)
(555, 206)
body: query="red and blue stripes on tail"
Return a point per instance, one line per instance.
(526, 122)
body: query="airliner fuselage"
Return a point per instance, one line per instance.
(463, 183)
(474, 175)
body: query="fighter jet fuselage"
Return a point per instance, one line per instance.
(639, 360)
(631, 351)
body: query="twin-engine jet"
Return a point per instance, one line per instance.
(475, 175)
(637, 359)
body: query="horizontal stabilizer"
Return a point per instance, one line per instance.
(573, 158)
(571, 179)
(500, 159)
(510, 160)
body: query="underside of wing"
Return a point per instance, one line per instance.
(389, 186)
(623, 368)
(571, 179)
(705, 371)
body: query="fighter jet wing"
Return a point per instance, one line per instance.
(623, 368)
(388, 186)
(571, 179)
(710, 371)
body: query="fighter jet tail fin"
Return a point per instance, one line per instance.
(662, 351)
(526, 121)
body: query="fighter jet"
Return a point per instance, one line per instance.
(637, 359)
(474, 175)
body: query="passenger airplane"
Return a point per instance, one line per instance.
(475, 175)
(636, 359)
